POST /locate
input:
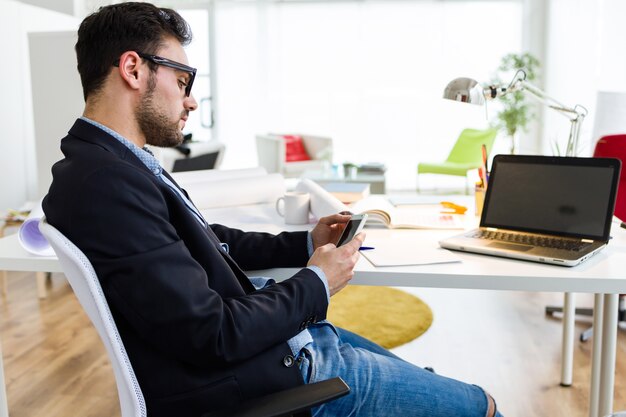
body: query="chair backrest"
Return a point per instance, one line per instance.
(614, 146)
(82, 277)
(190, 156)
(467, 148)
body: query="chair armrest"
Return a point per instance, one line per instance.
(289, 401)
(271, 152)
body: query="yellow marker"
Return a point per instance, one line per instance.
(454, 208)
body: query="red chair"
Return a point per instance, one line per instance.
(614, 146)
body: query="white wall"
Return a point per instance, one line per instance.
(18, 175)
(56, 104)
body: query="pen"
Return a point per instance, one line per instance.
(484, 149)
(366, 248)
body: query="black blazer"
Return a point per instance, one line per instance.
(197, 333)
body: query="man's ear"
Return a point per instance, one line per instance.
(131, 70)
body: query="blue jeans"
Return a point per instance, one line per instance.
(381, 383)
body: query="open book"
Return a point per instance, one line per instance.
(381, 211)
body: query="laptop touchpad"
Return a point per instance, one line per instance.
(510, 246)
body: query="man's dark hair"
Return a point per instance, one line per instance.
(106, 34)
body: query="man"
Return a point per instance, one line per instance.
(199, 335)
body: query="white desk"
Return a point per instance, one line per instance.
(14, 258)
(602, 275)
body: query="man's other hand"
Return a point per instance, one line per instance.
(329, 228)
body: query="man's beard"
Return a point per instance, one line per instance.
(154, 124)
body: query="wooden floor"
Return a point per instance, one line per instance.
(56, 366)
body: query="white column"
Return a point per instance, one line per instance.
(567, 348)
(607, 366)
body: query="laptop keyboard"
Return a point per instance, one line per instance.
(543, 241)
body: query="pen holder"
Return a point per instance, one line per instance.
(479, 197)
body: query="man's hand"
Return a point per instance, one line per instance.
(338, 263)
(329, 228)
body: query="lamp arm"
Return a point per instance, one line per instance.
(519, 83)
(575, 114)
(572, 112)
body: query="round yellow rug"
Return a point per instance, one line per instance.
(383, 315)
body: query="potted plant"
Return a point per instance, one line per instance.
(516, 111)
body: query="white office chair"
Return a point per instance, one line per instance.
(86, 286)
(271, 152)
(82, 277)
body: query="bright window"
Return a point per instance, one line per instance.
(370, 74)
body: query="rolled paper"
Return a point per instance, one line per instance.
(236, 192)
(30, 237)
(323, 203)
(189, 177)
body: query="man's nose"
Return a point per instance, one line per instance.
(190, 103)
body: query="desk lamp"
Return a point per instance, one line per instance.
(467, 90)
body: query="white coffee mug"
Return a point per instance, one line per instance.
(294, 207)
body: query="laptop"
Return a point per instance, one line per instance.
(556, 210)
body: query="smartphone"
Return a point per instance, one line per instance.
(353, 227)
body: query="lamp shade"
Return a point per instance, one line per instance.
(465, 90)
(610, 118)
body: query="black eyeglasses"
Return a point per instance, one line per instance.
(173, 64)
(170, 64)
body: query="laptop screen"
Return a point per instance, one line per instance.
(564, 196)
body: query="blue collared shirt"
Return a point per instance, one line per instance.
(297, 342)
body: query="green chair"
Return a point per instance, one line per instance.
(465, 155)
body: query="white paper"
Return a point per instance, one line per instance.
(323, 203)
(236, 192)
(30, 237)
(394, 255)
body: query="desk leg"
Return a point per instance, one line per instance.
(3, 274)
(41, 284)
(4, 410)
(607, 364)
(567, 354)
(3, 282)
(594, 393)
